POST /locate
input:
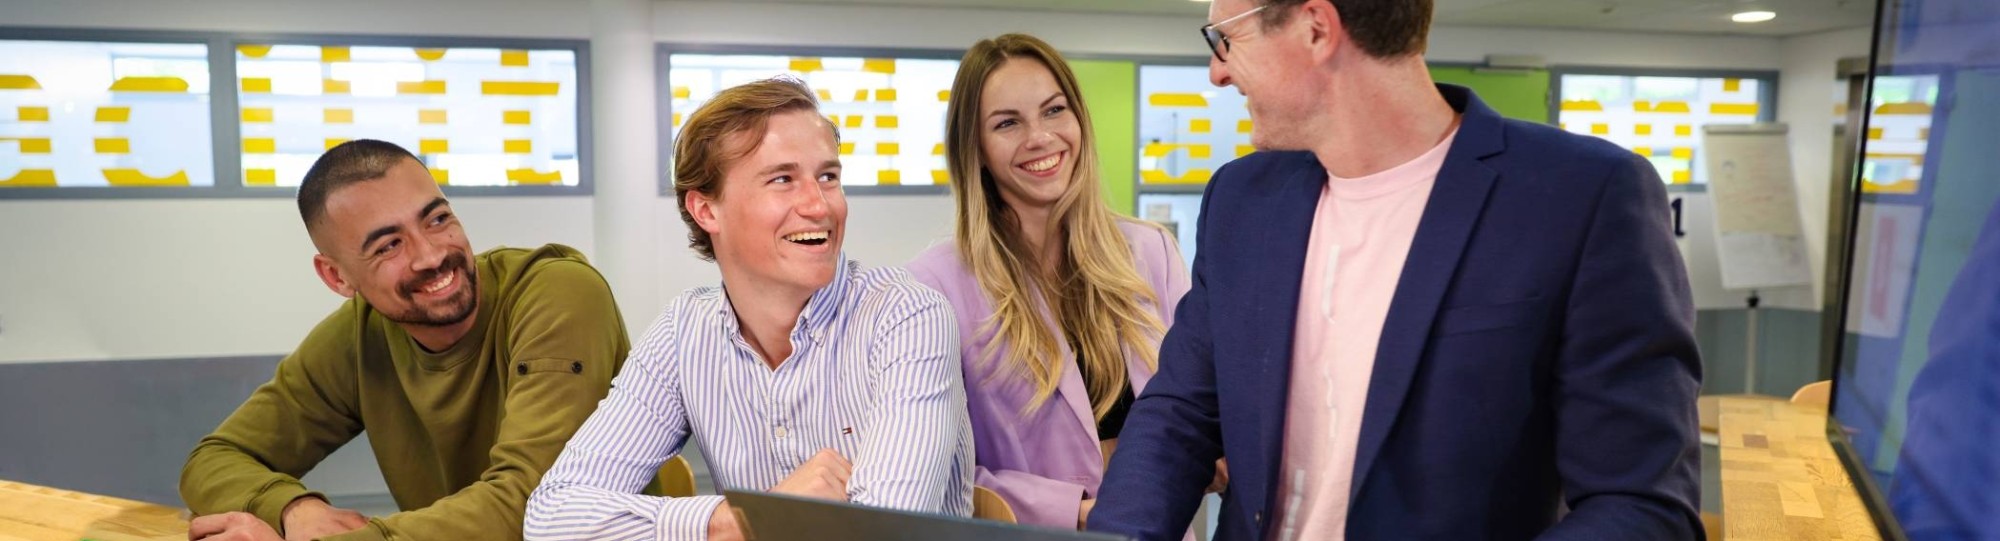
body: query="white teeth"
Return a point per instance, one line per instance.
(809, 235)
(441, 283)
(1043, 164)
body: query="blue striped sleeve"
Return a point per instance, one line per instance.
(592, 491)
(910, 456)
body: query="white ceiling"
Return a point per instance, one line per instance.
(1684, 16)
(1690, 16)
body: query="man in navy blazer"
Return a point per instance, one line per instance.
(1535, 372)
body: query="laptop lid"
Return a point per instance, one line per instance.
(777, 517)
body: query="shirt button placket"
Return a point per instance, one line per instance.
(776, 404)
(769, 405)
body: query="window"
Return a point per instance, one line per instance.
(1660, 116)
(1899, 133)
(148, 114)
(890, 110)
(95, 115)
(1188, 128)
(475, 116)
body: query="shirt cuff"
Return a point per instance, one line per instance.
(374, 531)
(686, 518)
(270, 505)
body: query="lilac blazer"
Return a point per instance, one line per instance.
(1046, 462)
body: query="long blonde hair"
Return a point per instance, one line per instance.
(1096, 293)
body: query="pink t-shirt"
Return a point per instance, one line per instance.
(1361, 234)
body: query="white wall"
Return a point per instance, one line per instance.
(94, 280)
(1806, 102)
(513, 18)
(1617, 49)
(681, 21)
(919, 28)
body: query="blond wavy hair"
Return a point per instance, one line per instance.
(1095, 292)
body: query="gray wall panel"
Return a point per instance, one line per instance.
(119, 428)
(1787, 350)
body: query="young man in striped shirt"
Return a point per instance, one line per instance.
(804, 374)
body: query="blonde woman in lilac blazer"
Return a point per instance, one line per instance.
(1061, 303)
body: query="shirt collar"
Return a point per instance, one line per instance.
(825, 304)
(820, 311)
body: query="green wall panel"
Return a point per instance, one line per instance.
(1519, 95)
(1111, 90)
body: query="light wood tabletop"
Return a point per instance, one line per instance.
(1710, 408)
(1781, 479)
(38, 513)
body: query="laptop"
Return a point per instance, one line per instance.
(776, 517)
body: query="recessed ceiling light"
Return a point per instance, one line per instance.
(1753, 16)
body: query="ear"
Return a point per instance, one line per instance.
(705, 211)
(1325, 35)
(331, 275)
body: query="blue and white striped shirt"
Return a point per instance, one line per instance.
(874, 374)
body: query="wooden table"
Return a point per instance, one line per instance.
(37, 513)
(1781, 479)
(1709, 406)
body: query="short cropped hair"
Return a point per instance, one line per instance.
(1382, 28)
(349, 163)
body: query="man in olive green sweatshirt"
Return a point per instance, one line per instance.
(468, 373)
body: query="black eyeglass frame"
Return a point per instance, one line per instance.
(1218, 43)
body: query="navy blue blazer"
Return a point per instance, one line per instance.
(1536, 375)
(1945, 474)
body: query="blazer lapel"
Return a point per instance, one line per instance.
(1069, 388)
(1455, 205)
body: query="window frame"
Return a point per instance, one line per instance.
(1139, 186)
(1767, 93)
(663, 96)
(1940, 128)
(225, 129)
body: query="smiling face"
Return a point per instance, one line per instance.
(395, 242)
(1028, 134)
(779, 218)
(1262, 63)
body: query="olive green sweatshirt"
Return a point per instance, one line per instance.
(462, 436)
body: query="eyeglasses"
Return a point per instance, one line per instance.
(1218, 43)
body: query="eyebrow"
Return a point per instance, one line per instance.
(378, 233)
(434, 204)
(794, 166)
(387, 230)
(779, 168)
(1045, 102)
